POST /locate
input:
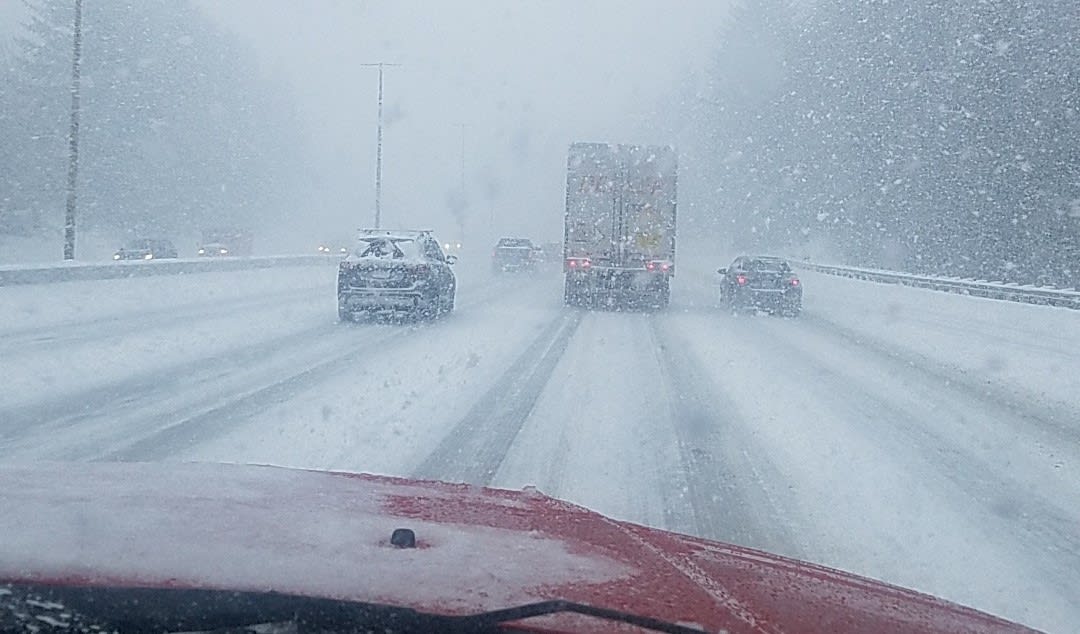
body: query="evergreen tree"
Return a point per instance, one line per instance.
(178, 132)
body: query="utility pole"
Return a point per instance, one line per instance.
(73, 138)
(461, 192)
(462, 126)
(378, 146)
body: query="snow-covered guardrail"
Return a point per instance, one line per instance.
(976, 288)
(76, 271)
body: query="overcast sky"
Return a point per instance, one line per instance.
(526, 78)
(10, 16)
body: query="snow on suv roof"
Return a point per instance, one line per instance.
(405, 234)
(393, 246)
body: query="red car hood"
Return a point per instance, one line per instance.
(327, 535)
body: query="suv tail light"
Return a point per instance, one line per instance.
(578, 263)
(740, 280)
(795, 281)
(659, 265)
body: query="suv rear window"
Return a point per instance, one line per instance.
(388, 248)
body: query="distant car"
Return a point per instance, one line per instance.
(236, 242)
(452, 247)
(396, 272)
(761, 282)
(213, 250)
(514, 254)
(146, 249)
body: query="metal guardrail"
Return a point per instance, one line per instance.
(1027, 294)
(12, 275)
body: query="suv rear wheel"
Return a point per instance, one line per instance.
(447, 304)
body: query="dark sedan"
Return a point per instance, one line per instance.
(146, 250)
(761, 283)
(514, 254)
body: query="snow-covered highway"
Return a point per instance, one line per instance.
(927, 439)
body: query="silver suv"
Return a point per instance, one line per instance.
(402, 272)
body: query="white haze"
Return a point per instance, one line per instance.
(526, 78)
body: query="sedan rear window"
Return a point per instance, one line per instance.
(763, 266)
(515, 242)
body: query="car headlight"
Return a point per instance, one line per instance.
(224, 252)
(116, 256)
(202, 251)
(148, 256)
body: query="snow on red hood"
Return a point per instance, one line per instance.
(311, 533)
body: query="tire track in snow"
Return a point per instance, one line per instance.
(187, 431)
(209, 422)
(725, 496)
(475, 448)
(191, 396)
(1057, 419)
(46, 338)
(1036, 524)
(68, 410)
